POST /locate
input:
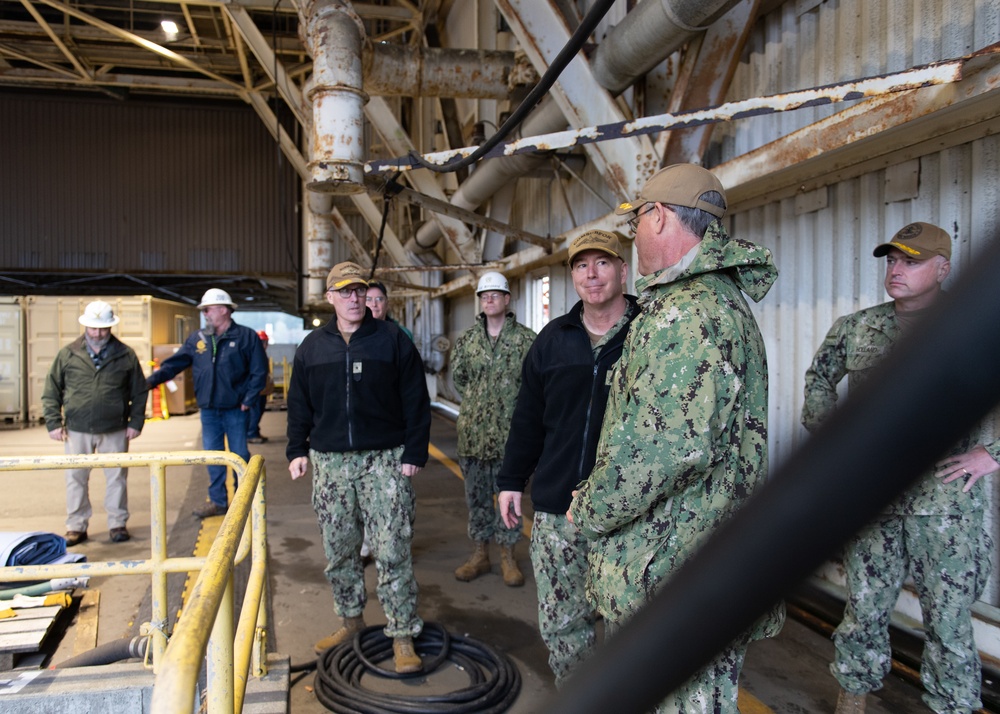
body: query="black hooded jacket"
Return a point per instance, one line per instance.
(559, 411)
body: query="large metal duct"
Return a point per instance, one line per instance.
(648, 35)
(333, 34)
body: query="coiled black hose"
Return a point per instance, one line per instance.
(494, 680)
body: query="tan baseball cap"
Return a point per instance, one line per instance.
(678, 185)
(344, 274)
(596, 240)
(919, 241)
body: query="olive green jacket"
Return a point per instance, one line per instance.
(487, 377)
(83, 398)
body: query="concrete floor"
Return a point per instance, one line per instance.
(788, 674)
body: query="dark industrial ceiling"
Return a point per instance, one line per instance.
(120, 49)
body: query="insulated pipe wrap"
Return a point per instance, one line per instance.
(648, 34)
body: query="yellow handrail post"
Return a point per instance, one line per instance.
(220, 656)
(158, 554)
(208, 614)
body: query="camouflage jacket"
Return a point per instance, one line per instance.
(684, 441)
(487, 376)
(854, 346)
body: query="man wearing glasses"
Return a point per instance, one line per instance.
(229, 367)
(359, 412)
(684, 440)
(377, 300)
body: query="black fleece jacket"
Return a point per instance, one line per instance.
(367, 394)
(559, 411)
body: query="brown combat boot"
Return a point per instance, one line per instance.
(512, 575)
(351, 626)
(478, 564)
(405, 657)
(848, 703)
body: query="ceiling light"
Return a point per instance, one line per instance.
(169, 27)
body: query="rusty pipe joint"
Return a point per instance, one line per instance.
(334, 36)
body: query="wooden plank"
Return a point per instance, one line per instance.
(86, 622)
(26, 632)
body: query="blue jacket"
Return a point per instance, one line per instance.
(228, 370)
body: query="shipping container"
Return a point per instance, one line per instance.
(13, 399)
(53, 322)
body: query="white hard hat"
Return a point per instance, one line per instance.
(492, 281)
(98, 314)
(215, 296)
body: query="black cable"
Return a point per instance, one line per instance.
(594, 16)
(494, 681)
(392, 187)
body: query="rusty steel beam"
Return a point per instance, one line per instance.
(542, 33)
(718, 57)
(387, 124)
(274, 70)
(140, 41)
(945, 72)
(440, 206)
(869, 136)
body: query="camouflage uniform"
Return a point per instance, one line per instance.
(566, 619)
(933, 527)
(684, 441)
(487, 376)
(368, 486)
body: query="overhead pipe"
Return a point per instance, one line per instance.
(392, 70)
(649, 34)
(319, 237)
(646, 36)
(334, 35)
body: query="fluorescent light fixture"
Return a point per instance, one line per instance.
(169, 27)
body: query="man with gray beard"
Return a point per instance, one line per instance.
(94, 400)
(229, 367)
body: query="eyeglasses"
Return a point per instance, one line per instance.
(633, 223)
(360, 291)
(490, 297)
(375, 299)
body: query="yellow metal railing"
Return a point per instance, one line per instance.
(206, 624)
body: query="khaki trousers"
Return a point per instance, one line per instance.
(78, 509)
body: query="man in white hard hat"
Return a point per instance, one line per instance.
(94, 400)
(229, 367)
(486, 371)
(366, 436)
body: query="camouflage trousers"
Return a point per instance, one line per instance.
(714, 689)
(480, 477)
(948, 557)
(358, 490)
(565, 617)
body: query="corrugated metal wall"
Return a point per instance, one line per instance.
(809, 43)
(142, 187)
(824, 256)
